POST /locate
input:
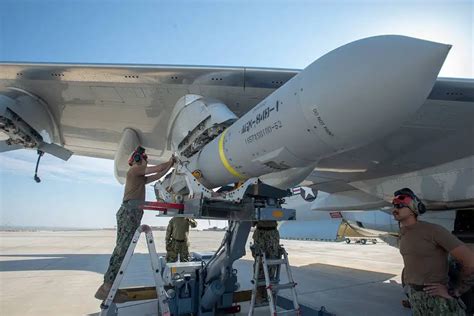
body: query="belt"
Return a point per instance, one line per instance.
(266, 228)
(178, 240)
(417, 287)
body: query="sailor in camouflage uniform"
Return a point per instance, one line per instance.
(424, 304)
(266, 239)
(130, 213)
(425, 247)
(177, 243)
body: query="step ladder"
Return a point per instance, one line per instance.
(273, 286)
(108, 307)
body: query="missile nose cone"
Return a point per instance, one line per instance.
(368, 88)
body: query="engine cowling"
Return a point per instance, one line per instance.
(27, 123)
(195, 121)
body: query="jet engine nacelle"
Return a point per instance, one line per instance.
(195, 121)
(25, 119)
(27, 123)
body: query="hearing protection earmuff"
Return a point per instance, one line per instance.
(406, 191)
(137, 155)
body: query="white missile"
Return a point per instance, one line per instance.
(345, 99)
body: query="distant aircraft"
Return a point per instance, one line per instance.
(375, 223)
(360, 122)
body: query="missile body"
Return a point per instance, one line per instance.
(348, 98)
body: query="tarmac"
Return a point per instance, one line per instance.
(58, 272)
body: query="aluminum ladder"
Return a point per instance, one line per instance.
(273, 286)
(108, 307)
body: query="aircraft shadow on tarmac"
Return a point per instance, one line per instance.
(341, 290)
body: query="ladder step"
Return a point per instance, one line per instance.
(263, 282)
(274, 262)
(274, 286)
(282, 312)
(266, 303)
(282, 286)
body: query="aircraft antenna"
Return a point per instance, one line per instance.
(40, 154)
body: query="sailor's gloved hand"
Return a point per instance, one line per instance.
(168, 245)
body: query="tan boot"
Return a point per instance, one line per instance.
(104, 290)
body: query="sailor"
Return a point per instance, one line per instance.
(425, 248)
(177, 242)
(130, 213)
(266, 240)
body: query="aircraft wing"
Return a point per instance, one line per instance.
(92, 104)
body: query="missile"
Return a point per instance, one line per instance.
(349, 97)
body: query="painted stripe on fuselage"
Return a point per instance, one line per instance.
(224, 160)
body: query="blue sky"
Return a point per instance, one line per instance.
(283, 34)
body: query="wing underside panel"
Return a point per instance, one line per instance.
(93, 104)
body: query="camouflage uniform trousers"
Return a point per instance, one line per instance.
(423, 304)
(128, 220)
(177, 247)
(268, 242)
